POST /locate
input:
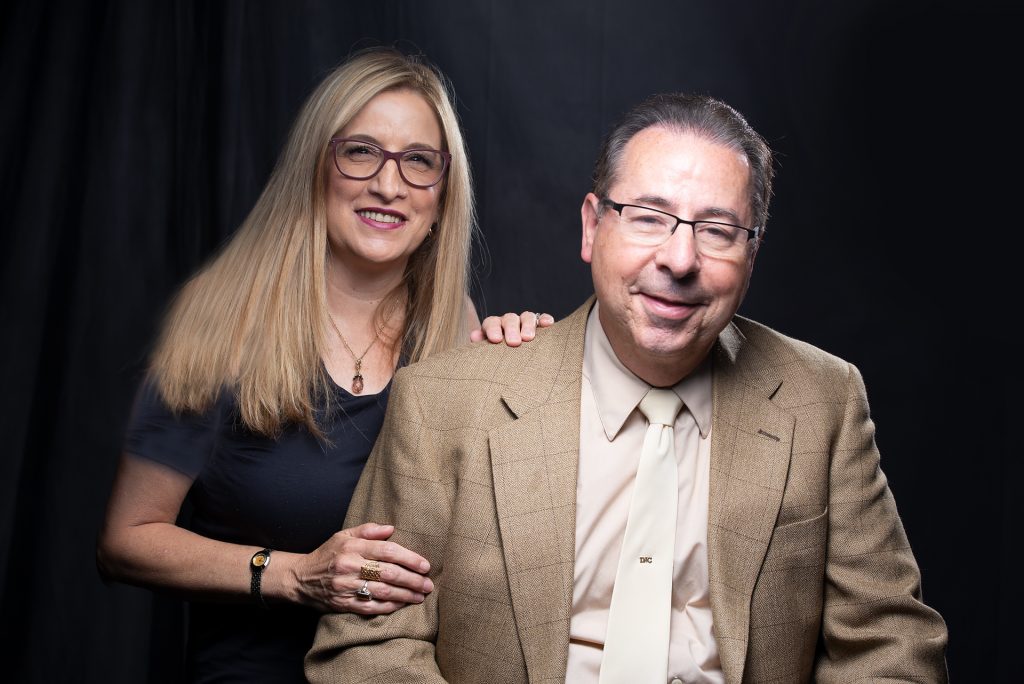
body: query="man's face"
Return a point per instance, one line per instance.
(662, 307)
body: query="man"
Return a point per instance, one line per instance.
(521, 474)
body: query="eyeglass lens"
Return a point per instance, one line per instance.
(653, 227)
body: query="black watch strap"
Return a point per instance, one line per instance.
(259, 561)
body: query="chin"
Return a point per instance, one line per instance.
(659, 343)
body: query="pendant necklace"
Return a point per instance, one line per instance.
(357, 379)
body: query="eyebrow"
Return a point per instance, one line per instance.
(708, 213)
(370, 138)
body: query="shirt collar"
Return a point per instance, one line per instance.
(617, 391)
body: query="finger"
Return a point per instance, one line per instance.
(348, 599)
(528, 320)
(389, 593)
(490, 328)
(368, 607)
(510, 327)
(370, 531)
(544, 320)
(476, 335)
(396, 554)
(348, 575)
(395, 575)
(496, 329)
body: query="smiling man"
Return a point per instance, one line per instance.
(656, 489)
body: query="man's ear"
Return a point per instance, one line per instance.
(589, 213)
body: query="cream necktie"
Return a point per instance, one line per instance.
(636, 643)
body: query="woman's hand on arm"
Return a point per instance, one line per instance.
(327, 579)
(141, 544)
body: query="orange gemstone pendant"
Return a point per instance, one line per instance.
(357, 379)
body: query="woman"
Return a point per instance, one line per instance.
(268, 385)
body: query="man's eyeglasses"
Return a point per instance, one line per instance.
(361, 160)
(654, 227)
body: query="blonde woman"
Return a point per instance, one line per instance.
(268, 385)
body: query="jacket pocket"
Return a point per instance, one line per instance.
(798, 544)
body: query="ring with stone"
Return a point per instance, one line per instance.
(363, 594)
(370, 571)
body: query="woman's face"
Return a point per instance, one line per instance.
(375, 224)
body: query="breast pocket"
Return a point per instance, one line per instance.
(798, 544)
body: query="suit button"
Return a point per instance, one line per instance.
(676, 680)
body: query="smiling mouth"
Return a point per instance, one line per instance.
(667, 308)
(380, 217)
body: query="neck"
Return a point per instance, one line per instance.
(665, 373)
(355, 294)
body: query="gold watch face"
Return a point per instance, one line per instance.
(260, 559)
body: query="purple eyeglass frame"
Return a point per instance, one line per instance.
(386, 155)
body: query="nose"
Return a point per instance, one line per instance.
(388, 183)
(678, 255)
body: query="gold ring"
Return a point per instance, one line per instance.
(370, 571)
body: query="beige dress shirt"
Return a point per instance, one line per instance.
(611, 438)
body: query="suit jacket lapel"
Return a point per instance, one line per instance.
(534, 464)
(750, 454)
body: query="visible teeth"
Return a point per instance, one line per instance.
(379, 217)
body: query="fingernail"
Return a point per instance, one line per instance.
(428, 586)
(425, 566)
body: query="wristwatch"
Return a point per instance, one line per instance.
(259, 561)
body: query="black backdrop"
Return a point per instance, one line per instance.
(134, 137)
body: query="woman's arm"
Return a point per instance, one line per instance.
(141, 544)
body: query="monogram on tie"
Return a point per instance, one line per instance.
(637, 639)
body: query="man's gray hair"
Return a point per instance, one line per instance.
(701, 115)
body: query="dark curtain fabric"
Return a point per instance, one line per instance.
(134, 137)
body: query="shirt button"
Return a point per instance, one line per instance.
(676, 680)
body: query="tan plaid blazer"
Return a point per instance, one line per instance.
(811, 574)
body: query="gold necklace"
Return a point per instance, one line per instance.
(357, 379)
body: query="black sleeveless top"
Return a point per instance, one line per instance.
(288, 494)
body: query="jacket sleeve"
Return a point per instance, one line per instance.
(405, 483)
(874, 624)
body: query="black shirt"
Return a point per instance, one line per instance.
(287, 494)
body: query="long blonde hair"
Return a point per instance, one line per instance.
(252, 320)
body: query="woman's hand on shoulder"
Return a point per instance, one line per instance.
(328, 579)
(512, 329)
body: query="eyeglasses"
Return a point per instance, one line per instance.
(654, 227)
(361, 160)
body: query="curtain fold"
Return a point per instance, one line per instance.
(135, 137)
